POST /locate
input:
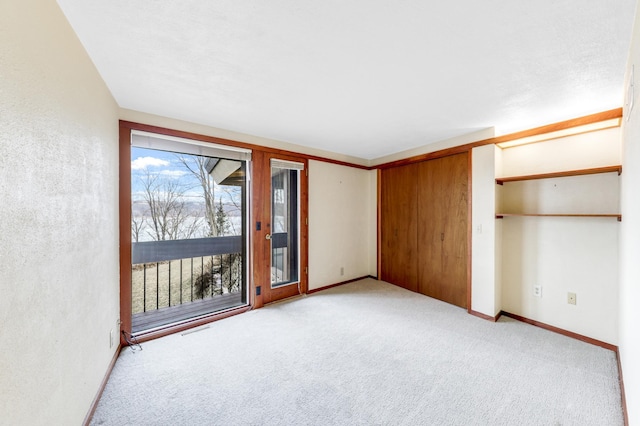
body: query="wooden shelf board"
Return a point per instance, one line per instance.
(592, 171)
(502, 215)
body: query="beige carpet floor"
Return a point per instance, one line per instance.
(365, 353)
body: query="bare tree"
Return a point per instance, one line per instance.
(169, 218)
(137, 223)
(234, 196)
(226, 269)
(196, 165)
(230, 268)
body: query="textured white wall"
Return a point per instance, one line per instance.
(483, 225)
(59, 291)
(630, 238)
(342, 225)
(563, 255)
(595, 149)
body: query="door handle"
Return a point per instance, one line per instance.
(442, 236)
(267, 237)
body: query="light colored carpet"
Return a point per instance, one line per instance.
(365, 353)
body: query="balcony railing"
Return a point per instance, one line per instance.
(180, 279)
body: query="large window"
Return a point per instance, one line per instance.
(188, 230)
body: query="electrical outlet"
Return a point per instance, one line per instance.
(571, 298)
(537, 290)
(342, 270)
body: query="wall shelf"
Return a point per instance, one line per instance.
(592, 171)
(566, 173)
(502, 215)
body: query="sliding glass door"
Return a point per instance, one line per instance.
(188, 230)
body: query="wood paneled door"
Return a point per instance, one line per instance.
(399, 230)
(442, 228)
(424, 215)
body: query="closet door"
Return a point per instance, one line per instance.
(442, 228)
(399, 239)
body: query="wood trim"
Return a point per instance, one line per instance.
(124, 197)
(259, 208)
(188, 324)
(304, 228)
(623, 398)
(562, 125)
(592, 171)
(580, 121)
(379, 223)
(262, 205)
(125, 252)
(286, 298)
(230, 142)
(256, 256)
(433, 155)
(327, 287)
(502, 215)
(469, 228)
(561, 331)
(485, 316)
(103, 384)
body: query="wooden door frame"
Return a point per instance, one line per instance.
(124, 196)
(469, 227)
(256, 208)
(125, 131)
(261, 213)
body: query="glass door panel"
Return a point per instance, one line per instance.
(285, 223)
(188, 221)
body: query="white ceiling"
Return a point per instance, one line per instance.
(364, 78)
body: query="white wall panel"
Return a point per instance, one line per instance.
(342, 226)
(59, 280)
